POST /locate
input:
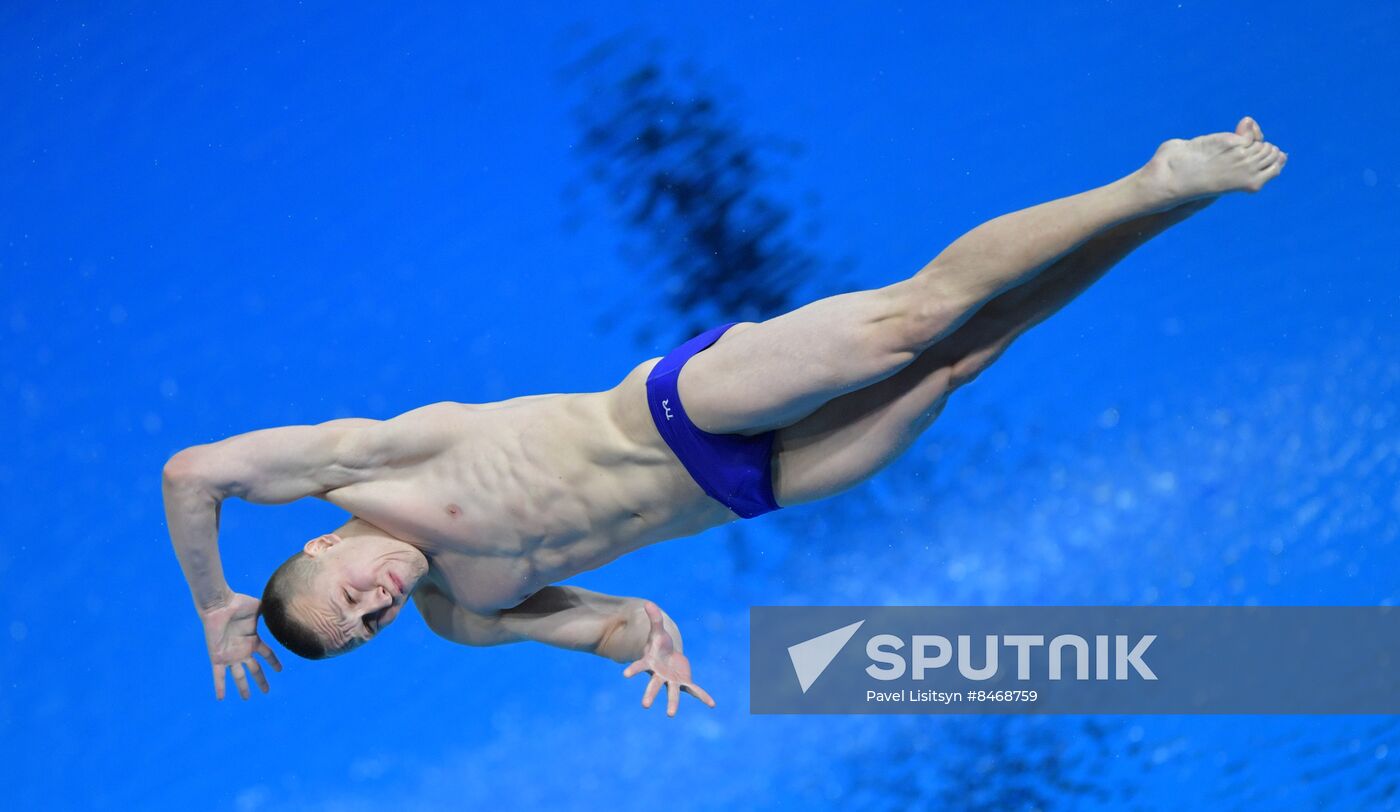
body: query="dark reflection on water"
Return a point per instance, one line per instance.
(694, 188)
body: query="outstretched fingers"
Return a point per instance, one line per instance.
(240, 674)
(698, 693)
(268, 655)
(240, 678)
(674, 687)
(653, 688)
(257, 672)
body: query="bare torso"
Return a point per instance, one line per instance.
(506, 498)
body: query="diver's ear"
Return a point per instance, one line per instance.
(320, 544)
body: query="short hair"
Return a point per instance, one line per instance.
(286, 582)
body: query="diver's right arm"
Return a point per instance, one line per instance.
(270, 466)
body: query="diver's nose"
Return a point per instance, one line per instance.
(376, 598)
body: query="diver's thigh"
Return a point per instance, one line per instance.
(852, 437)
(764, 375)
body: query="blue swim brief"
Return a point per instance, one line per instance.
(735, 469)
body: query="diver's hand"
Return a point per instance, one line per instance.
(666, 665)
(231, 631)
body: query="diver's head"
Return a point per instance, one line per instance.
(336, 593)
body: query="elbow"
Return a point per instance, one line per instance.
(182, 468)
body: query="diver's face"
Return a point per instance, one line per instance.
(361, 584)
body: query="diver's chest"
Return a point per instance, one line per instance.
(485, 584)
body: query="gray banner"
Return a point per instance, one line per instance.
(1075, 659)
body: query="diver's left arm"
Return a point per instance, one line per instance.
(625, 630)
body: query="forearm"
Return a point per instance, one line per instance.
(192, 517)
(633, 631)
(582, 620)
(627, 639)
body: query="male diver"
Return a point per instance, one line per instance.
(475, 511)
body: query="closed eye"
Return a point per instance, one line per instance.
(363, 618)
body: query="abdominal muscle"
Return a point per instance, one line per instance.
(531, 491)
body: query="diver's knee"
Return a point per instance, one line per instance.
(927, 310)
(966, 369)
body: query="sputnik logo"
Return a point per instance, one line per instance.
(811, 657)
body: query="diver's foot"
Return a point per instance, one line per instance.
(1249, 128)
(1210, 165)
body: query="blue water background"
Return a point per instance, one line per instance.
(214, 220)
